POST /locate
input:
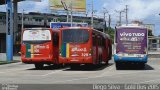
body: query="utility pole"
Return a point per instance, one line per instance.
(86, 13)
(104, 12)
(126, 15)
(104, 22)
(22, 19)
(92, 15)
(65, 8)
(67, 15)
(71, 13)
(45, 20)
(120, 16)
(109, 21)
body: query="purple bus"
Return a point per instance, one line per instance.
(131, 44)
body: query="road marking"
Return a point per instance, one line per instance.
(51, 73)
(96, 77)
(109, 69)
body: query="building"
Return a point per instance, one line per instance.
(38, 20)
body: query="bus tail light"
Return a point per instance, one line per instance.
(90, 52)
(60, 52)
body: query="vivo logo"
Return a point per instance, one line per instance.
(131, 34)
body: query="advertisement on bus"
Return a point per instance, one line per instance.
(131, 41)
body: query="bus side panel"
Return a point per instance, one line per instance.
(105, 55)
(94, 49)
(97, 51)
(110, 49)
(105, 51)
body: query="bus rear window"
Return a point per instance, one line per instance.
(75, 36)
(36, 35)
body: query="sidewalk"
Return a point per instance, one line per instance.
(154, 54)
(18, 58)
(3, 59)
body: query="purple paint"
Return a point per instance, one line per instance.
(131, 40)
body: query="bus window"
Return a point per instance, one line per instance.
(75, 36)
(36, 36)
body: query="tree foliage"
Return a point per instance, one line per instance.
(110, 31)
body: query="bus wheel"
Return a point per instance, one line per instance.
(38, 65)
(142, 65)
(110, 52)
(118, 65)
(106, 62)
(75, 66)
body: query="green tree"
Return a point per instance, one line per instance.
(111, 32)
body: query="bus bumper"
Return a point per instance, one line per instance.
(79, 60)
(37, 60)
(130, 59)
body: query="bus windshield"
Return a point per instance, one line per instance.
(75, 36)
(36, 35)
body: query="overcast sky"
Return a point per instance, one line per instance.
(144, 10)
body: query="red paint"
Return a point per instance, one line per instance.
(97, 45)
(45, 52)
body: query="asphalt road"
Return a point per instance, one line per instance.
(19, 73)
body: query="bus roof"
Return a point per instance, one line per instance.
(131, 26)
(40, 28)
(76, 28)
(36, 28)
(105, 35)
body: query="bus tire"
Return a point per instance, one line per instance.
(110, 53)
(106, 63)
(142, 65)
(39, 65)
(118, 65)
(74, 66)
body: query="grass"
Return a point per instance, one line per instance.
(6, 62)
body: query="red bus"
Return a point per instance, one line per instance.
(39, 46)
(84, 45)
